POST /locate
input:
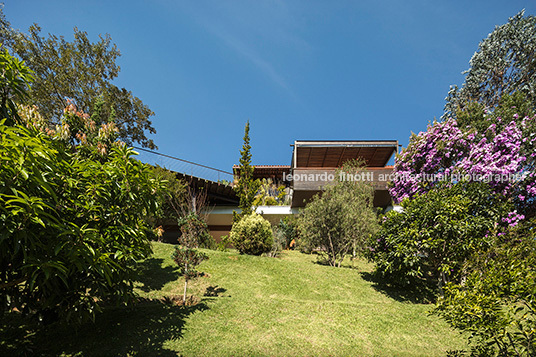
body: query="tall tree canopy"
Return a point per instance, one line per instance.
(81, 71)
(504, 63)
(246, 188)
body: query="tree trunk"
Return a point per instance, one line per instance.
(185, 286)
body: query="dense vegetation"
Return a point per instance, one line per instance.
(467, 187)
(255, 306)
(73, 203)
(252, 235)
(340, 219)
(79, 71)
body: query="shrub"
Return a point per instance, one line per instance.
(340, 220)
(436, 233)
(71, 230)
(496, 302)
(252, 235)
(174, 200)
(195, 232)
(289, 227)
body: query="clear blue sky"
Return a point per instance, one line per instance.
(296, 69)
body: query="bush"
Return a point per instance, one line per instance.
(289, 228)
(252, 235)
(496, 303)
(436, 233)
(71, 229)
(340, 220)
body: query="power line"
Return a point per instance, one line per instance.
(182, 160)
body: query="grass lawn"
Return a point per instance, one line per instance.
(251, 306)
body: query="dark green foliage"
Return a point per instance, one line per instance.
(252, 235)
(496, 303)
(15, 79)
(339, 220)
(289, 227)
(503, 64)
(475, 115)
(188, 259)
(173, 201)
(71, 229)
(195, 232)
(246, 188)
(436, 233)
(82, 71)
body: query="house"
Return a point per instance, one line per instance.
(313, 165)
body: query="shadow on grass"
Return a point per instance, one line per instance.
(153, 276)
(214, 290)
(417, 293)
(140, 330)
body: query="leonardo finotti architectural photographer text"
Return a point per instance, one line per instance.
(369, 176)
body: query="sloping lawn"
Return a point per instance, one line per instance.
(250, 306)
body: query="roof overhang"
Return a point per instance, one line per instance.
(273, 172)
(332, 154)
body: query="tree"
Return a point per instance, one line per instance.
(496, 302)
(495, 146)
(188, 259)
(82, 72)
(437, 231)
(341, 218)
(504, 63)
(246, 188)
(72, 214)
(194, 232)
(15, 79)
(72, 229)
(270, 194)
(174, 201)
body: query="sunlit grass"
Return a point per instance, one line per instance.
(259, 306)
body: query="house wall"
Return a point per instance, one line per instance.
(220, 219)
(308, 182)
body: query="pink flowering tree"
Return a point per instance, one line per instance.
(500, 151)
(461, 183)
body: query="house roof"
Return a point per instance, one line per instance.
(217, 192)
(331, 154)
(274, 172)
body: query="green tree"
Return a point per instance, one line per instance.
(174, 200)
(15, 79)
(71, 214)
(188, 259)
(341, 219)
(504, 63)
(71, 228)
(246, 188)
(81, 71)
(436, 233)
(496, 303)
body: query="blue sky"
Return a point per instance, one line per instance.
(297, 70)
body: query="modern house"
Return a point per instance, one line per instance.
(313, 165)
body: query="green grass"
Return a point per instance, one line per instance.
(288, 306)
